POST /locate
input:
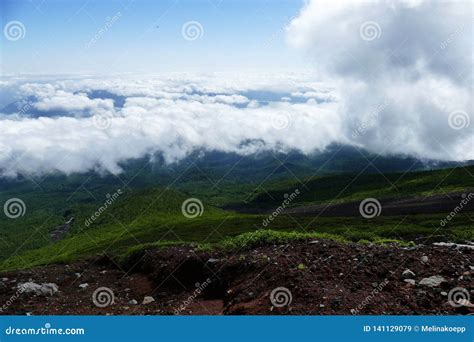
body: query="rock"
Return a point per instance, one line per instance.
(322, 305)
(47, 289)
(432, 281)
(213, 261)
(148, 300)
(313, 242)
(83, 286)
(444, 294)
(424, 259)
(133, 302)
(410, 281)
(453, 245)
(6, 279)
(408, 274)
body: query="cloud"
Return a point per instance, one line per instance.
(171, 116)
(401, 67)
(68, 102)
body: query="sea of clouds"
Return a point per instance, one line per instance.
(406, 91)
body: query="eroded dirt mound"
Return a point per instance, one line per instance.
(311, 277)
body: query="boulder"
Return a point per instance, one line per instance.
(46, 289)
(148, 300)
(432, 281)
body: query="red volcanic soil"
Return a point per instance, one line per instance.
(319, 277)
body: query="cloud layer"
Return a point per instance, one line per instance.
(171, 115)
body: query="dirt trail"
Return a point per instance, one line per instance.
(434, 204)
(311, 277)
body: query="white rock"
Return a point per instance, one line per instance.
(83, 286)
(424, 259)
(133, 302)
(410, 281)
(47, 289)
(455, 245)
(212, 261)
(408, 274)
(432, 281)
(148, 300)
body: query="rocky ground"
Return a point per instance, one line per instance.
(318, 277)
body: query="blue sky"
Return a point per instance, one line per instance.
(147, 36)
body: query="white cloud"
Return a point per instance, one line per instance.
(401, 68)
(68, 102)
(193, 113)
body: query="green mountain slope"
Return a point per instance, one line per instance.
(344, 188)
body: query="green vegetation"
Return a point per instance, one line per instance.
(345, 188)
(150, 216)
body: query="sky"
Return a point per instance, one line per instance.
(89, 85)
(146, 35)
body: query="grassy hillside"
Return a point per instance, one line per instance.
(344, 188)
(153, 216)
